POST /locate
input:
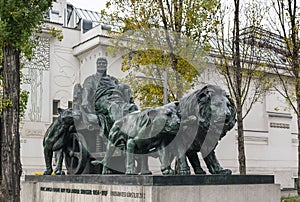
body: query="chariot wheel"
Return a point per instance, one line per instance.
(76, 154)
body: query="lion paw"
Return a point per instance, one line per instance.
(48, 172)
(106, 171)
(130, 171)
(59, 172)
(168, 171)
(199, 171)
(184, 172)
(146, 172)
(225, 172)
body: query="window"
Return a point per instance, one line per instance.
(70, 103)
(55, 106)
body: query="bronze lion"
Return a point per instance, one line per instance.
(214, 114)
(55, 140)
(194, 124)
(143, 132)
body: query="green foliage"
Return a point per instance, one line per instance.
(5, 103)
(290, 199)
(149, 92)
(162, 35)
(23, 98)
(23, 102)
(8, 103)
(56, 33)
(19, 20)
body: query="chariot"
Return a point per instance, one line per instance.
(85, 144)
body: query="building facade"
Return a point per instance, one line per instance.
(270, 128)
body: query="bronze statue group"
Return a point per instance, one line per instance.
(178, 130)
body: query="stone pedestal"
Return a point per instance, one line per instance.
(115, 188)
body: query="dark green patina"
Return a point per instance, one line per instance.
(55, 140)
(180, 129)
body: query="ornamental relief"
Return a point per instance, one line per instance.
(41, 56)
(65, 74)
(33, 77)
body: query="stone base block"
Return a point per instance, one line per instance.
(115, 188)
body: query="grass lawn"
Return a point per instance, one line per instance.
(291, 199)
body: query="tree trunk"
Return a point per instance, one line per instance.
(10, 146)
(238, 88)
(297, 89)
(174, 66)
(241, 146)
(296, 71)
(298, 121)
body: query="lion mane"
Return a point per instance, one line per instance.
(199, 104)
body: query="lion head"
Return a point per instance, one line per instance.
(66, 117)
(214, 113)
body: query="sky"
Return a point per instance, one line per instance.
(93, 5)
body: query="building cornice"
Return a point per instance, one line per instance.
(89, 44)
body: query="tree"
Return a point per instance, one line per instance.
(165, 34)
(19, 21)
(284, 49)
(238, 61)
